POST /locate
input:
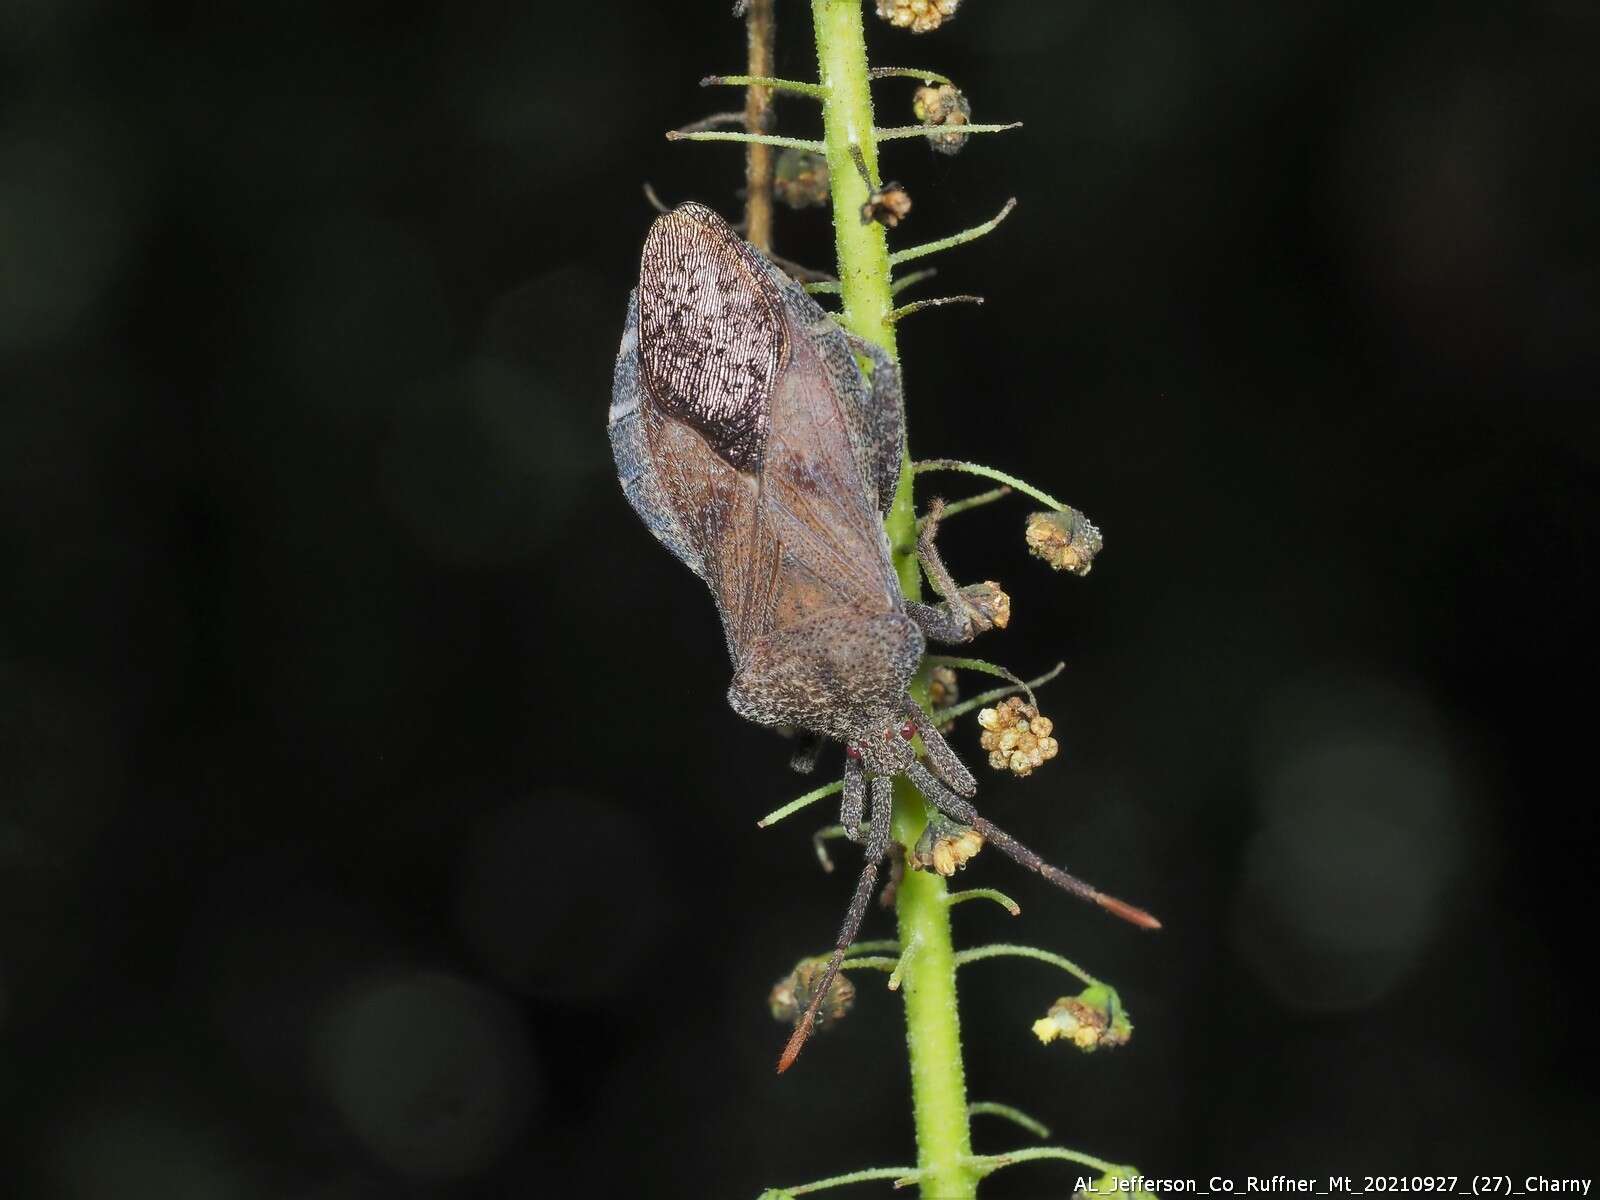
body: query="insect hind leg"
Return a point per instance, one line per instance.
(877, 847)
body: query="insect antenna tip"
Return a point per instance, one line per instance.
(797, 1040)
(1129, 913)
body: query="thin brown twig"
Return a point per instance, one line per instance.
(760, 25)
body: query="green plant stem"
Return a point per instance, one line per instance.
(1011, 481)
(978, 501)
(877, 962)
(978, 701)
(933, 1021)
(795, 86)
(795, 805)
(763, 139)
(871, 1173)
(999, 897)
(861, 249)
(990, 1163)
(1001, 950)
(913, 131)
(927, 974)
(1014, 1115)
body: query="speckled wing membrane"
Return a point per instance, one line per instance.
(711, 334)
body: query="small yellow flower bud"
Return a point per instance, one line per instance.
(1016, 737)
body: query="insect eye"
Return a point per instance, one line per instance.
(853, 752)
(908, 730)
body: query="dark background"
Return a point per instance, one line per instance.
(372, 822)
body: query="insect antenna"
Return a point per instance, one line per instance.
(952, 805)
(877, 846)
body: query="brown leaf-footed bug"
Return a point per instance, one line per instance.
(751, 444)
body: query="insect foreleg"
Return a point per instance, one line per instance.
(877, 847)
(966, 612)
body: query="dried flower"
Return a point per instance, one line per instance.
(945, 106)
(990, 600)
(1068, 541)
(945, 847)
(1091, 1019)
(1017, 737)
(887, 205)
(920, 16)
(792, 994)
(800, 178)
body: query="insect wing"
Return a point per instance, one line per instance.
(711, 332)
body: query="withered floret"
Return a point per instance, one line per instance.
(990, 600)
(792, 994)
(800, 178)
(920, 16)
(1091, 1019)
(1068, 541)
(887, 205)
(945, 847)
(946, 108)
(1017, 737)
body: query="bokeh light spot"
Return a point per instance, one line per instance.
(428, 1071)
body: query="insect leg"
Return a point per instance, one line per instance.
(949, 768)
(855, 797)
(877, 847)
(966, 612)
(954, 806)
